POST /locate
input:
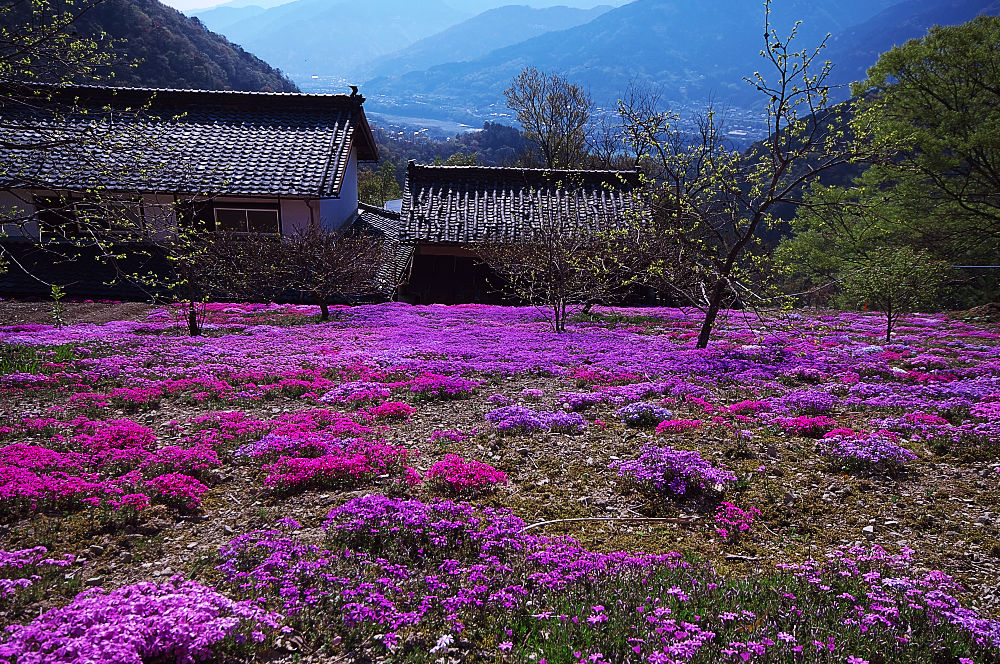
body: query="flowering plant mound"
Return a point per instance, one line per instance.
(668, 470)
(190, 461)
(878, 452)
(435, 529)
(459, 569)
(731, 521)
(390, 410)
(643, 414)
(808, 426)
(803, 375)
(176, 621)
(579, 401)
(499, 400)
(26, 574)
(293, 444)
(516, 419)
(357, 391)
(456, 476)
(119, 444)
(808, 402)
(177, 490)
(358, 463)
(28, 489)
(747, 407)
(435, 386)
(676, 426)
(531, 394)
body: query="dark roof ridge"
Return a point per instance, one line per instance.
(374, 209)
(413, 165)
(259, 93)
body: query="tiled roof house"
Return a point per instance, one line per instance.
(262, 162)
(447, 210)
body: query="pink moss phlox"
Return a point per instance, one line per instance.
(732, 521)
(177, 490)
(437, 386)
(189, 460)
(676, 426)
(459, 476)
(809, 426)
(747, 407)
(390, 410)
(359, 463)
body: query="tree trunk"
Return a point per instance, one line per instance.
(714, 304)
(708, 323)
(194, 329)
(324, 311)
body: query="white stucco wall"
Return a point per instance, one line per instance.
(295, 216)
(334, 213)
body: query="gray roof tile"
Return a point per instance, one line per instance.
(468, 204)
(188, 141)
(387, 224)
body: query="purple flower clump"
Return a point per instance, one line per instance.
(176, 621)
(678, 472)
(519, 419)
(643, 414)
(878, 452)
(808, 402)
(356, 391)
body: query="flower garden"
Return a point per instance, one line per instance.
(460, 484)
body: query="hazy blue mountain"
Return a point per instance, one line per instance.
(858, 48)
(481, 34)
(264, 4)
(219, 19)
(479, 6)
(692, 50)
(334, 38)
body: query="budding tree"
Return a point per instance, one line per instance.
(713, 203)
(553, 113)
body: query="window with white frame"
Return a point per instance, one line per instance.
(247, 219)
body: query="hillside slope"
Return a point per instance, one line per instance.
(855, 50)
(173, 50)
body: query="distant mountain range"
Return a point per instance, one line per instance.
(330, 37)
(692, 51)
(480, 35)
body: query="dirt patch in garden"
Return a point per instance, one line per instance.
(987, 313)
(97, 313)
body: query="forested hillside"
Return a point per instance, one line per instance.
(160, 47)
